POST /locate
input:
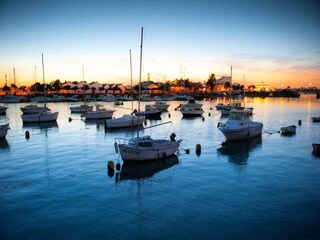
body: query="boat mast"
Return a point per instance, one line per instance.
(230, 85)
(44, 82)
(84, 86)
(6, 84)
(131, 81)
(140, 78)
(35, 79)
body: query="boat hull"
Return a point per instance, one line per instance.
(125, 122)
(81, 109)
(40, 117)
(133, 154)
(246, 132)
(99, 114)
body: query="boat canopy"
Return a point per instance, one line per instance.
(239, 115)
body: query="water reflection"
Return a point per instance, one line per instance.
(139, 170)
(239, 151)
(100, 123)
(41, 125)
(4, 144)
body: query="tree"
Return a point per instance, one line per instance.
(57, 85)
(211, 81)
(75, 88)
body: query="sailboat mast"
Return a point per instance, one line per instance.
(35, 79)
(44, 81)
(140, 76)
(131, 81)
(230, 85)
(84, 86)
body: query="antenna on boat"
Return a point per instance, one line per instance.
(140, 78)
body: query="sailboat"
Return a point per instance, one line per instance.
(84, 107)
(9, 98)
(127, 120)
(41, 116)
(146, 148)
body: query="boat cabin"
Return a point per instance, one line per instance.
(239, 115)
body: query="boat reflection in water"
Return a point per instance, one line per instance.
(139, 170)
(41, 125)
(4, 144)
(239, 151)
(100, 123)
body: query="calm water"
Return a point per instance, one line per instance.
(56, 184)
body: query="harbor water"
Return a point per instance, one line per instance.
(56, 185)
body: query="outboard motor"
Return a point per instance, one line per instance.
(172, 137)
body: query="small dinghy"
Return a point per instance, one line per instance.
(289, 130)
(315, 119)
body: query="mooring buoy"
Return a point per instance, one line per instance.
(118, 166)
(27, 134)
(299, 122)
(70, 119)
(198, 149)
(110, 166)
(203, 119)
(169, 115)
(209, 114)
(187, 151)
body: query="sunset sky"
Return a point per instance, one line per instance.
(277, 42)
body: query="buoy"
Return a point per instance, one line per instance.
(299, 122)
(116, 148)
(203, 119)
(209, 114)
(169, 115)
(27, 134)
(198, 149)
(211, 108)
(187, 151)
(111, 165)
(118, 166)
(70, 119)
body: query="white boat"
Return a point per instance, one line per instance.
(32, 108)
(239, 126)
(127, 120)
(41, 116)
(84, 107)
(191, 104)
(81, 109)
(219, 106)
(150, 112)
(3, 109)
(3, 130)
(146, 98)
(45, 116)
(288, 130)
(146, 148)
(99, 113)
(190, 112)
(106, 98)
(160, 105)
(9, 98)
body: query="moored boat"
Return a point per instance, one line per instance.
(81, 109)
(32, 109)
(127, 120)
(45, 116)
(191, 112)
(99, 113)
(239, 126)
(316, 149)
(289, 130)
(315, 119)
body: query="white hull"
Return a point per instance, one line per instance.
(241, 133)
(99, 114)
(40, 117)
(129, 153)
(3, 130)
(125, 121)
(191, 113)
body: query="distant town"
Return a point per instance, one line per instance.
(211, 87)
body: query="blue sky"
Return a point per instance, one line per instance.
(271, 41)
